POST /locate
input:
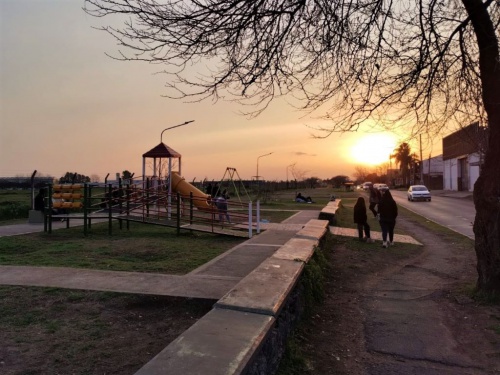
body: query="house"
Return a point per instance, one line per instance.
(463, 153)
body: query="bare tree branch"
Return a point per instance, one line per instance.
(416, 64)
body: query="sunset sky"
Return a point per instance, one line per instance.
(66, 106)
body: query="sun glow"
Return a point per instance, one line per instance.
(373, 149)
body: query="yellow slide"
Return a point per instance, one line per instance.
(184, 188)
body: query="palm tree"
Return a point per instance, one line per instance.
(406, 159)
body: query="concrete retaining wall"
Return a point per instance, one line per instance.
(246, 331)
(329, 212)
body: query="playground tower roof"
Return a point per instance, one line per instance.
(161, 151)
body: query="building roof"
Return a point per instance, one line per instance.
(161, 151)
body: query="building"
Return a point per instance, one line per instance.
(432, 172)
(463, 153)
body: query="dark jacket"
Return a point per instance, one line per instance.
(360, 214)
(387, 208)
(39, 202)
(374, 195)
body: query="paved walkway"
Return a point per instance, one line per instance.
(212, 280)
(348, 232)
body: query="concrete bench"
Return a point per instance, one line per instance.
(329, 212)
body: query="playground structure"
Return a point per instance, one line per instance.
(163, 198)
(187, 209)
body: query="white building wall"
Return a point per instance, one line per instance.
(450, 172)
(436, 165)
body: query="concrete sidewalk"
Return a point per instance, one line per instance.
(452, 194)
(26, 228)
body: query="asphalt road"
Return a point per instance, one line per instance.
(455, 213)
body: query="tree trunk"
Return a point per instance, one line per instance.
(487, 187)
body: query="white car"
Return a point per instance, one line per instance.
(366, 185)
(419, 193)
(381, 187)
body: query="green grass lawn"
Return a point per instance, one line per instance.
(144, 248)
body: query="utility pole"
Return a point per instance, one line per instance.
(421, 178)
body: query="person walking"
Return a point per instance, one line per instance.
(388, 211)
(221, 203)
(361, 220)
(374, 199)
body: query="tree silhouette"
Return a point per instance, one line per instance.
(406, 160)
(126, 175)
(73, 177)
(339, 180)
(416, 64)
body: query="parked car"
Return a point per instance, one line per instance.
(381, 187)
(419, 193)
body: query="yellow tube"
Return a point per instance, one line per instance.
(184, 188)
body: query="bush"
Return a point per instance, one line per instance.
(13, 210)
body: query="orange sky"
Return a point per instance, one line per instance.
(66, 106)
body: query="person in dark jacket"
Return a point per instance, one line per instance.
(361, 220)
(388, 211)
(40, 200)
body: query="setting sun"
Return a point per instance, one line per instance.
(373, 149)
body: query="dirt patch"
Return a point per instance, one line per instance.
(55, 331)
(334, 341)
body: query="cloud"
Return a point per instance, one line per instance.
(300, 153)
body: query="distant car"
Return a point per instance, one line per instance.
(381, 187)
(366, 185)
(419, 193)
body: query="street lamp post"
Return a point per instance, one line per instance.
(169, 204)
(161, 141)
(175, 126)
(257, 175)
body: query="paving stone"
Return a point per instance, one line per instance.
(297, 249)
(317, 223)
(265, 289)
(311, 232)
